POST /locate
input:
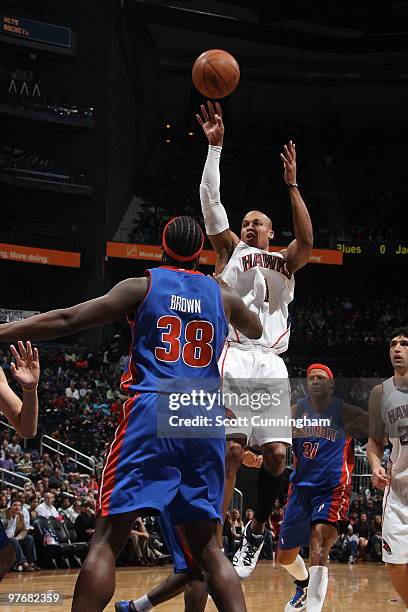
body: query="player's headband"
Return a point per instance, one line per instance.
(176, 256)
(320, 366)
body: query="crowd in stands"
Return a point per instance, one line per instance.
(371, 180)
(356, 322)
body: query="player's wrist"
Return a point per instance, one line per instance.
(29, 388)
(292, 185)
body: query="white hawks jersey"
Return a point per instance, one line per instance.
(394, 413)
(267, 288)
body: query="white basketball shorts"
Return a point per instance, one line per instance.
(395, 523)
(256, 393)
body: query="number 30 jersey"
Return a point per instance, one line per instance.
(178, 331)
(323, 453)
(267, 288)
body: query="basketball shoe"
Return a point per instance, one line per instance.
(298, 601)
(247, 555)
(124, 606)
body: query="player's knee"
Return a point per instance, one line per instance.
(274, 458)
(318, 556)
(234, 457)
(285, 557)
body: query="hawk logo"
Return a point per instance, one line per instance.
(386, 547)
(321, 507)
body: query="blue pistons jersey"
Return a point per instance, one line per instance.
(323, 455)
(178, 331)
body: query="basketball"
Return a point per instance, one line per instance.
(215, 73)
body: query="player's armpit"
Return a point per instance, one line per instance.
(223, 245)
(243, 319)
(296, 255)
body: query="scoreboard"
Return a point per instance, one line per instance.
(23, 31)
(373, 248)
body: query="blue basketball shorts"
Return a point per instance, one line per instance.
(183, 560)
(142, 470)
(306, 507)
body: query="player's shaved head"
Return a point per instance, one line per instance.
(257, 214)
(256, 230)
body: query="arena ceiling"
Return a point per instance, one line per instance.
(345, 26)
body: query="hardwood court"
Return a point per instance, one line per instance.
(362, 587)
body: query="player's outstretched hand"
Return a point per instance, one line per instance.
(288, 157)
(211, 122)
(26, 366)
(380, 478)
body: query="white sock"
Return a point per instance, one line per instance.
(297, 569)
(143, 604)
(319, 579)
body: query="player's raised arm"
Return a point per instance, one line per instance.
(243, 319)
(375, 446)
(22, 415)
(217, 227)
(121, 299)
(298, 252)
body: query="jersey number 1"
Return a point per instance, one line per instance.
(196, 351)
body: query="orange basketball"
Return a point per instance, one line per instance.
(215, 73)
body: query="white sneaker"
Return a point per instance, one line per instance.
(246, 557)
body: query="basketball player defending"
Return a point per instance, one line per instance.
(179, 324)
(22, 415)
(388, 408)
(320, 488)
(265, 281)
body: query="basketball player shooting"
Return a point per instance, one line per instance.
(265, 281)
(143, 470)
(388, 409)
(22, 415)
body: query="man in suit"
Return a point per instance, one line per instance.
(22, 542)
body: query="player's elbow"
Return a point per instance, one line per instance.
(27, 433)
(66, 322)
(306, 245)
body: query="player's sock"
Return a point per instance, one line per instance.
(268, 489)
(319, 578)
(298, 570)
(143, 604)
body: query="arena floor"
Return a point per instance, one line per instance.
(358, 587)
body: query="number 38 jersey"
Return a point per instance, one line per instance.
(267, 288)
(324, 453)
(178, 331)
